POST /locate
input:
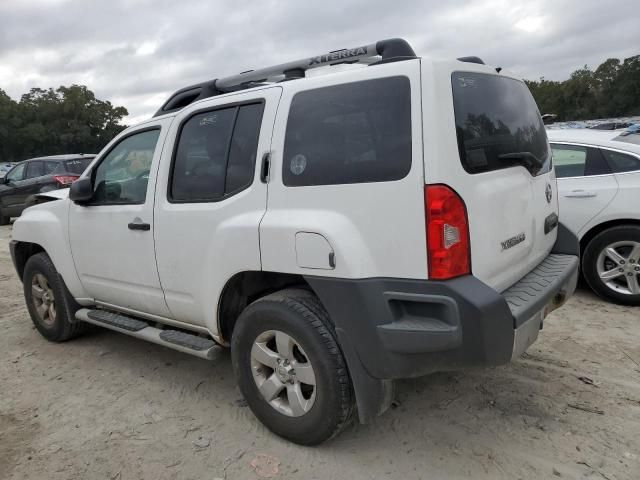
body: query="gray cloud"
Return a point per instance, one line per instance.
(136, 52)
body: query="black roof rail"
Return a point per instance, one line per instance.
(472, 59)
(393, 49)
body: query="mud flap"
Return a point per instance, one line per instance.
(373, 395)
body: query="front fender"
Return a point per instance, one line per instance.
(47, 226)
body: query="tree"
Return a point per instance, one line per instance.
(48, 122)
(612, 90)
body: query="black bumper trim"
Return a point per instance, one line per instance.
(391, 328)
(13, 244)
(546, 286)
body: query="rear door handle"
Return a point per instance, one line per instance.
(138, 224)
(581, 194)
(265, 167)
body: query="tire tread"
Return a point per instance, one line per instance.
(70, 328)
(304, 304)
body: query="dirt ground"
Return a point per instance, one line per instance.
(107, 406)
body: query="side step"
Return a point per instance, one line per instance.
(175, 339)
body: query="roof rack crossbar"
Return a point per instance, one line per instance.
(387, 49)
(382, 51)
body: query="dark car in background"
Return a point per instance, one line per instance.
(37, 175)
(5, 167)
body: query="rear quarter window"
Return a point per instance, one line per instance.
(621, 162)
(496, 116)
(350, 133)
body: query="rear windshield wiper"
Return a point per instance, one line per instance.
(527, 158)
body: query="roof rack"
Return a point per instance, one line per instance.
(472, 59)
(384, 51)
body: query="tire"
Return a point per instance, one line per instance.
(328, 405)
(597, 260)
(43, 286)
(4, 219)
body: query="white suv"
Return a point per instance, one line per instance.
(599, 186)
(337, 231)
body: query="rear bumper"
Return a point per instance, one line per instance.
(392, 328)
(407, 328)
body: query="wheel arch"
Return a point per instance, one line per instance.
(245, 287)
(22, 251)
(601, 227)
(46, 226)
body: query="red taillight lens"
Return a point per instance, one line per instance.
(65, 180)
(447, 233)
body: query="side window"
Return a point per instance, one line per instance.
(50, 167)
(17, 173)
(35, 169)
(216, 154)
(123, 174)
(351, 133)
(244, 146)
(621, 162)
(578, 161)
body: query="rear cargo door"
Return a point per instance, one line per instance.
(499, 162)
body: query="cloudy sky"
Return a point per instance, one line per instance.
(135, 52)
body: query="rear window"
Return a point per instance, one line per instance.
(351, 133)
(77, 166)
(497, 116)
(628, 138)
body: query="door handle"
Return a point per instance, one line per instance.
(265, 167)
(138, 224)
(581, 194)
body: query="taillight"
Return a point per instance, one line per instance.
(65, 180)
(447, 233)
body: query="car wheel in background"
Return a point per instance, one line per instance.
(611, 264)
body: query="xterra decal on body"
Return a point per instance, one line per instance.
(513, 241)
(339, 55)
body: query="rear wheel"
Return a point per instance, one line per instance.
(50, 305)
(290, 369)
(611, 264)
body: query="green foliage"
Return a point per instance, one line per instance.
(49, 122)
(612, 90)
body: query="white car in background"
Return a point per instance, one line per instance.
(599, 193)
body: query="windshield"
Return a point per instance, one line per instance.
(497, 118)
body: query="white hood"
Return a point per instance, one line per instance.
(55, 194)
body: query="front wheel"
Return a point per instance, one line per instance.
(290, 368)
(50, 305)
(611, 264)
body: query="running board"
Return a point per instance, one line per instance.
(175, 339)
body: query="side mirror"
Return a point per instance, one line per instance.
(81, 190)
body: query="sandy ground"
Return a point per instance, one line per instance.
(107, 406)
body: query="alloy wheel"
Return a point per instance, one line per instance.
(283, 373)
(43, 299)
(618, 267)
